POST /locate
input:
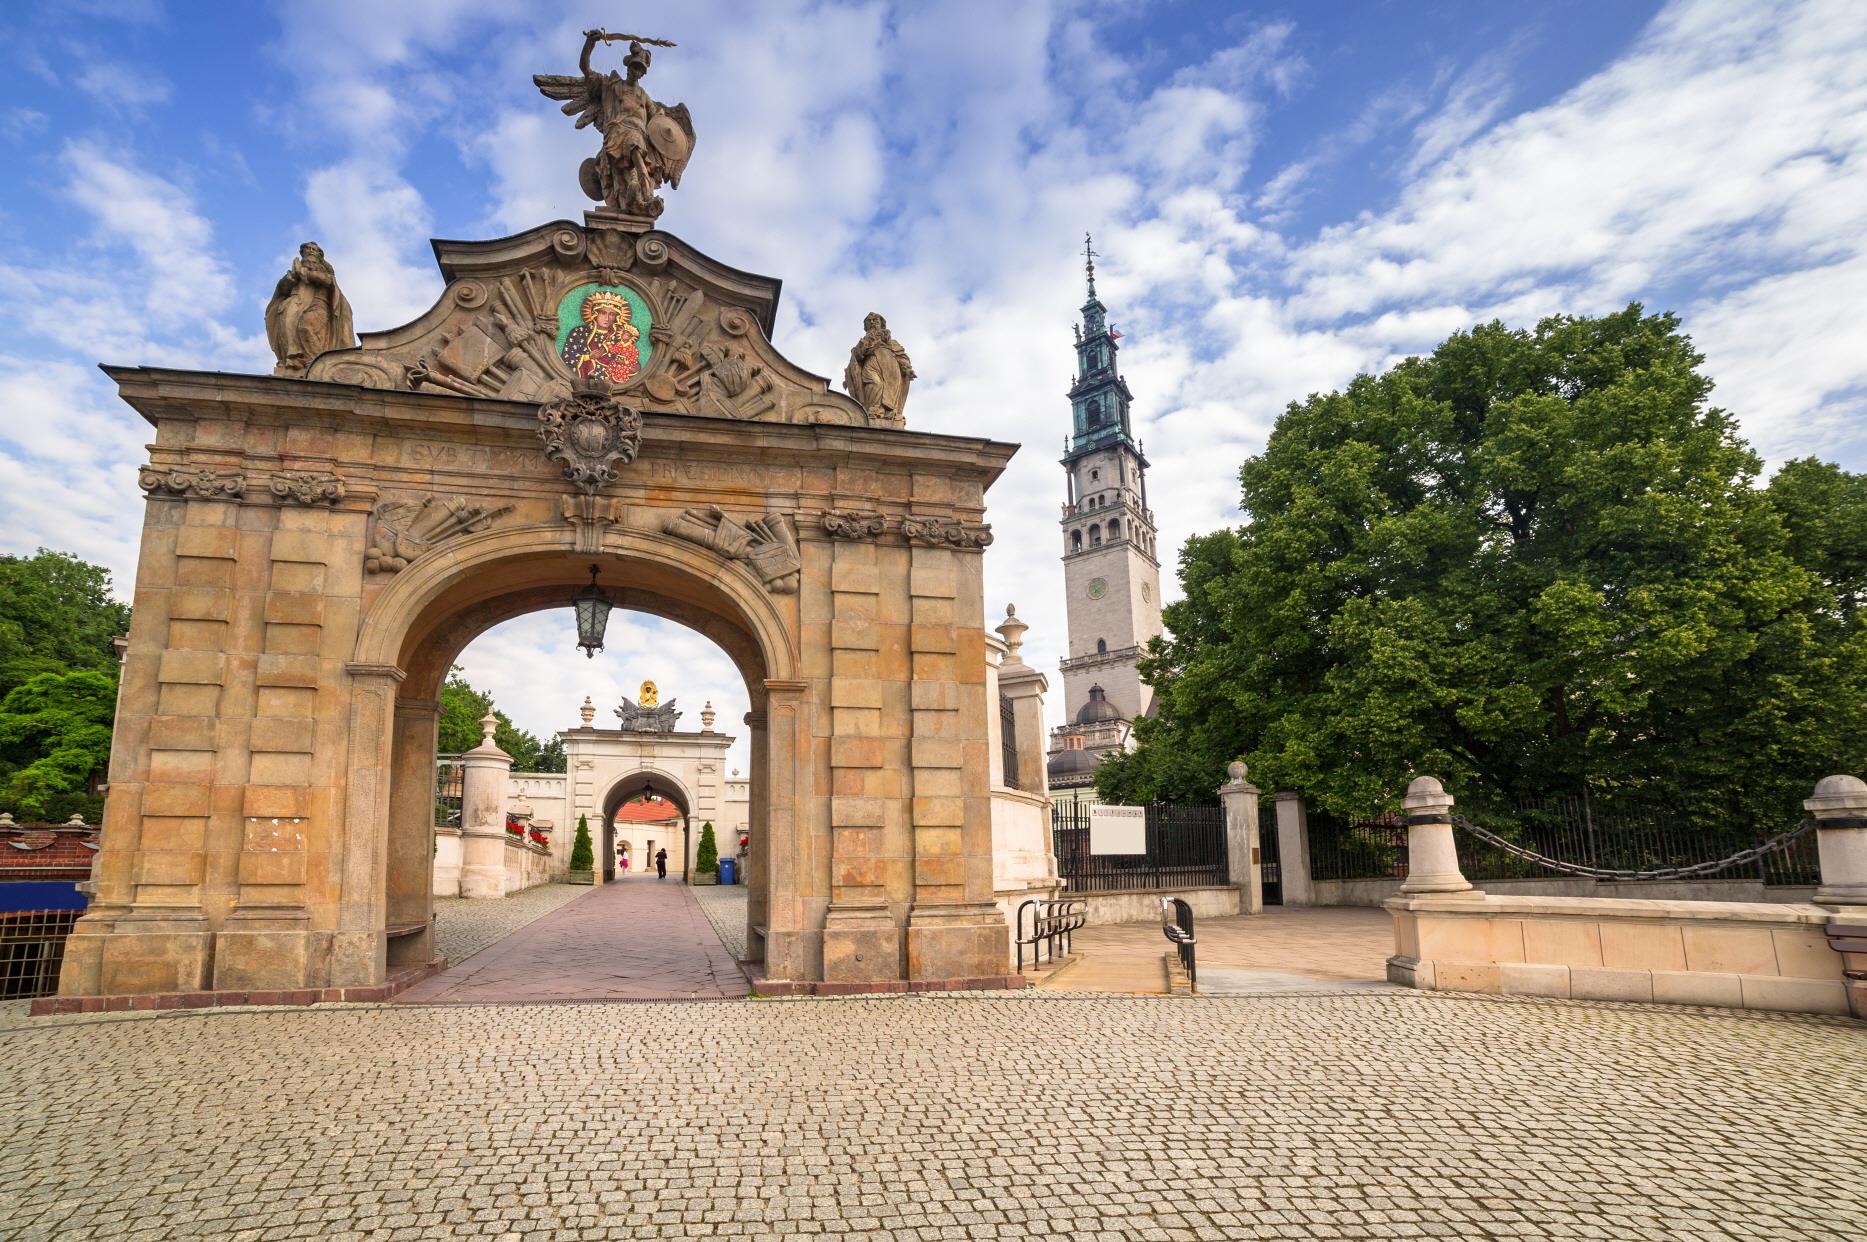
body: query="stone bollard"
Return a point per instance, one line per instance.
(1839, 809)
(1293, 849)
(1432, 856)
(484, 773)
(1240, 799)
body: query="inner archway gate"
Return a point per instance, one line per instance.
(318, 548)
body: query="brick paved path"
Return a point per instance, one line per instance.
(639, 939)
(1359, 1115)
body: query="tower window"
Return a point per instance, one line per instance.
(1114, 528)
(1076, 541)
(1095, 536)
(1094, 475)
(1102, 646)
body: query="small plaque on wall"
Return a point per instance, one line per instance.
(1117, 829)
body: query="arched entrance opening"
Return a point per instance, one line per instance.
(667, 824)
(493, 578)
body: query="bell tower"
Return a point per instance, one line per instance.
(1110, 570)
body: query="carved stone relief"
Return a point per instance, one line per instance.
(590, 432)
(853, 524)
(766, 544)
(190, 481)
(940, 532)
(691, 341)
(590, 514)
(402, 529)
(947, 532)
(307, 487)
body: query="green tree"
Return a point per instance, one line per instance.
(56, 615)
(55, 744)
(707, 854)
(462, 709)
(582, 856)
(551, 755)
(1529, 561)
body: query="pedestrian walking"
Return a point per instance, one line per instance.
(623, 861)
(661, 864)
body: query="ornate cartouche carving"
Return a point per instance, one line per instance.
(590, 432)
(646, 144)
(767, 544)
(946, 532)
(879, 371)
(401, 530)
(308, 313)
(853, 524)
(190, 481)
(307, 487)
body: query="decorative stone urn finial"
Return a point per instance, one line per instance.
(1235, 770)
(488, 723)
(1012, 631)
(587, 711)
(706, 717)
(1839, 809)
(6, 817)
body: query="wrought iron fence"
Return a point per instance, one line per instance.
(1580, 829)
(448, 777)
(1008, 741)
(1185, 849)
(32, 949)
(1369, 848)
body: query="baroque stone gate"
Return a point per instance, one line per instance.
(318, 549)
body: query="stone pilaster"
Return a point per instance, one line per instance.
(757, 879)
(868, 735)
(955, 928)
(793, 926)
(412, 849)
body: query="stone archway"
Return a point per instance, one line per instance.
(666, 785)
(316, 549)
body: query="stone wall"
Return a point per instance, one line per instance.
(1739, 955)
(1376, 892)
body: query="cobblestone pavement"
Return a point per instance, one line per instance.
(637, 939)
(462, 928)
(1285, 948)
(725, 908)
(1359, 1115)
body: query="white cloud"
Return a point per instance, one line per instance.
(123, 88)
(181, 277)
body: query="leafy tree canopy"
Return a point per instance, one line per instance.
(1526, 562)
(462, 709)
(56, 614)
(54, 743)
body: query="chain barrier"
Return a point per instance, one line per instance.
(1780, 841)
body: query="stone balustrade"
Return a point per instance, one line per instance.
(1806, 957)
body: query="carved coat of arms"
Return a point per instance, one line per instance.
(590, 432)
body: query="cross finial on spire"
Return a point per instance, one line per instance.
(1089, 262)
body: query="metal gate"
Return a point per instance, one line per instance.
(1270, 862)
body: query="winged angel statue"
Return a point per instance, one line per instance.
(645, 144)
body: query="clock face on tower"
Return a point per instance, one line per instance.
(1146, 594)
(1098, 587)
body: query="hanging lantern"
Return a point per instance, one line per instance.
(593, 606)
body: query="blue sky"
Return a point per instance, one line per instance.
(1284, 195)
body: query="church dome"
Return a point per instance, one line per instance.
(1066, 763)
(1098, 708)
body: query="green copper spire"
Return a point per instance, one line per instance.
(1099, 398)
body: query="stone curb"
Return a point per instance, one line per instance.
(885, 987)
(396, 983)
